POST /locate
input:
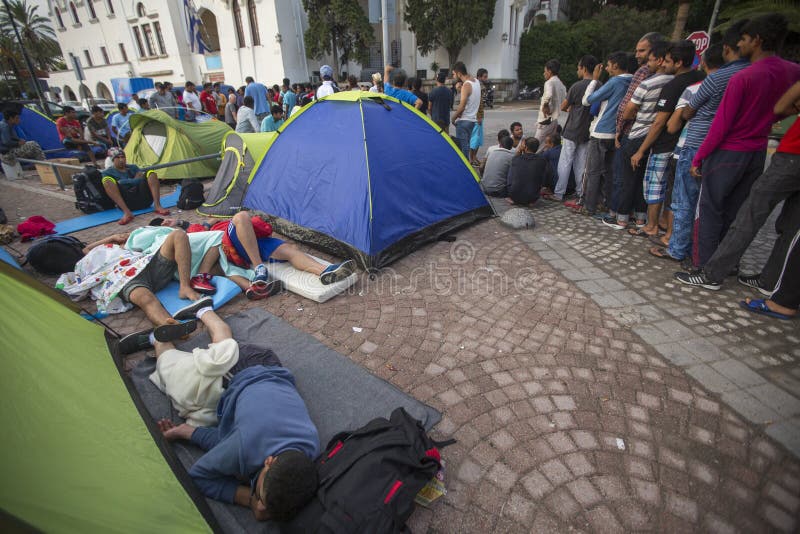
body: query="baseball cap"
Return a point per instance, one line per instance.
(326, 71)
(114, 153)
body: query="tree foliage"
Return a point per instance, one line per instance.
(36, 32)
(614, 28)
(449, 24)
(340, 28)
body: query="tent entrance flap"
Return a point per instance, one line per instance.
(155, 133)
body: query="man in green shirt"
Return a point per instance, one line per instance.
(129, 191)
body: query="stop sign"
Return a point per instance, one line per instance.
(701, 41)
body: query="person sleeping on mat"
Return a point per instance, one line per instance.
(256, 458)
(248, 243)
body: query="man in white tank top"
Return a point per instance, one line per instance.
(466, 115)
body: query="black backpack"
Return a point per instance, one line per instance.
(55, 254)
(191, 196)
(368, 478)
(90, 197)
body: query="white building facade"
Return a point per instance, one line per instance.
(105, 39)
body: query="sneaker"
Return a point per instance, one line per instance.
(190, 311)
(262, 276)
(612, 222)
(698, 280)
(173, 331)
(202, 284)
(753, 280)
(601, 215)
(134, 342)
(258, 292)
(336, 272)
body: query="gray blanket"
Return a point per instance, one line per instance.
(340, 395)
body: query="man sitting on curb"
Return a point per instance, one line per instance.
(129, 191)
(247, 243)
(260, 454)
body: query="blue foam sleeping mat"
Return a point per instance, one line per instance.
(226, 290)
(103, 217)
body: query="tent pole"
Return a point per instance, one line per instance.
(144, 169)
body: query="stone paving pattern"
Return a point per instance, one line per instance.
(567, 417)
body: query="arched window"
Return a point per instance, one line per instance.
(58, 18)
(74, 12)
(90, 5)
(237, 23)
(140, 12)
(253, 19)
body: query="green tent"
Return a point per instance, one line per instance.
(158, 138)
(77, 454)
(241, 154)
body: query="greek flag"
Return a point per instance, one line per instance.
(194, 28)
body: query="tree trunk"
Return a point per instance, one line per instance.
(452, 57)
(680, 19)
(336, 60)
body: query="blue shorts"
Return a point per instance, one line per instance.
(266, 246)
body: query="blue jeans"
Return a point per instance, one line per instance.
(463, 134)
(685, 193)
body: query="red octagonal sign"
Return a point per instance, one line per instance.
(701, 41)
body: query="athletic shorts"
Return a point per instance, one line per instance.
(266, 246)
(655, 180)
(72, 145)
(155, 276)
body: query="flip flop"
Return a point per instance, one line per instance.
(760, 306)
(638, 232)
(661, 252)
(656, 240)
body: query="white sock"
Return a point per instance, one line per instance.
(152, 338)
(203, 311)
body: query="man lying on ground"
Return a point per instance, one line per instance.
(119, 276)
(248, 244)
(124, 184)
(257, 458)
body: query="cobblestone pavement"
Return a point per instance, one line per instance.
(567, 418)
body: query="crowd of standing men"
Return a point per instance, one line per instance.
(674, 154)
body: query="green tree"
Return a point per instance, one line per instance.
(449, 24)
(340, 28)
(36, 32)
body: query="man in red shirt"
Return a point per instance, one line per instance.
(70, 133)
(207, 100)
(781, 181)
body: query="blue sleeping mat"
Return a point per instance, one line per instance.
(103, 217)
(8, 258)
(226, 290)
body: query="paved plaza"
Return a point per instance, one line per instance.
(587, 390)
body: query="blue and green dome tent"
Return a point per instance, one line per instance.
(361, 175)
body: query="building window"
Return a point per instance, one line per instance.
(104, 53)
(110, 7)
(160, 38)
(137, 36)
(149, 42)
(74, 12)
(92, 14)
(253, 19)
(58, 18)
(123, 52)
(88, 57)
(237, 23)
(140, 12)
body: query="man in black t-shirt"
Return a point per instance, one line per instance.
(440, 100)
(526, 174)
(678, 62)
(576, 131)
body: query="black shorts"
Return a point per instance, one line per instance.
(155, 276)
(136, 196)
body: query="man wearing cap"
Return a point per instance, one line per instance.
(129, 191)
(327, 87)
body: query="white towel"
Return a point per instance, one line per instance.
(193, 380)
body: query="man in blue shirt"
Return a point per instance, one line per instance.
(259, 94)
(265, 437)
(600, 153)
(129, 191)
(289, 98)
(395, 89)
(121, 124)
(274, 120)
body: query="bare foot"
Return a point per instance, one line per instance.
(171, 431)
(126, 219)
(774, 306)
(509, 201)
(188, 293)
(161, 211)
